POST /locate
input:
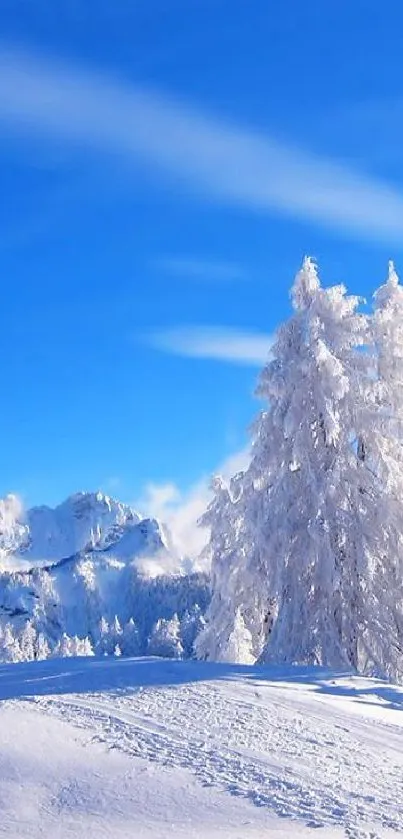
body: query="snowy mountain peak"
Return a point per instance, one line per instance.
(43, 535)
(84, 502)
(87, 525)
(145, 538)
(83, 521)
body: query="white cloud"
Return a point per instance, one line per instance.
(193, 268)
(215, 342)
(12, 530)
(11, 511)
(180, 513)
(225, 162)
(181, 510)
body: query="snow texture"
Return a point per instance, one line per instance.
(146, 747)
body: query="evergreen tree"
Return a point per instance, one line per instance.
(130, 643)
(42, 649)
(64, 647)
(165, 639)
(104, 646)
(10, 650)
(239, 649)
(382, 456)
(86, 648)
(310, 535)
(116, 631)
(311, 489)
(80, 647)
(192, 624)
(28, 641)
(233, 587)
(218, 517)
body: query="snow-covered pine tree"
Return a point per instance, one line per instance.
(192, 624)
(233, 590)
(86, 647)
(382, 458)
(10, 650)
(104, 646)
(307, 477)
(116, 632)
(239, 648)
(219, 518)
(309, 505)
(130, 641)
(64, 647)
(80, 647)
(165, 640)
(28, 641)
(109, 635)
(72, 646)
(42, 648)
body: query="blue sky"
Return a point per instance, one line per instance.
(164, 168)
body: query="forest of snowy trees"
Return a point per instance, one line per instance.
(307, 544)
(93, 605)
(169, 638)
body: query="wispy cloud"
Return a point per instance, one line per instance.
(224, 162)
(182, 510)
(200, 270)
(215, 342)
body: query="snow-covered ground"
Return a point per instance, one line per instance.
(150, 748)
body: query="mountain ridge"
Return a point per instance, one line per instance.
(84, 521)
(93, 569)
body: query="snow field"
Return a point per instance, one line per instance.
(289, 751)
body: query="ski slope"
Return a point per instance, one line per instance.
(145, 748)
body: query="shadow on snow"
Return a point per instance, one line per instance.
(95, 675)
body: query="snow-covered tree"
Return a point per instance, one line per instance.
(80, 647)
(310, 489)
(110, 635)
(86, 647)
(239, 648)
(388, 336)
(130, 642)
(28, 641)
(104, 646)
(42, 648)
(165, 640)
(116, 631)
(233, 589)
(64, 647)
(10, 650)
(382, 458)
(219, 519)
(309, 538)
(72, 646)
(192, 625)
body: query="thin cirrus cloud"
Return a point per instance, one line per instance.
(216, 343)
(200, 270)
(223, 162)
